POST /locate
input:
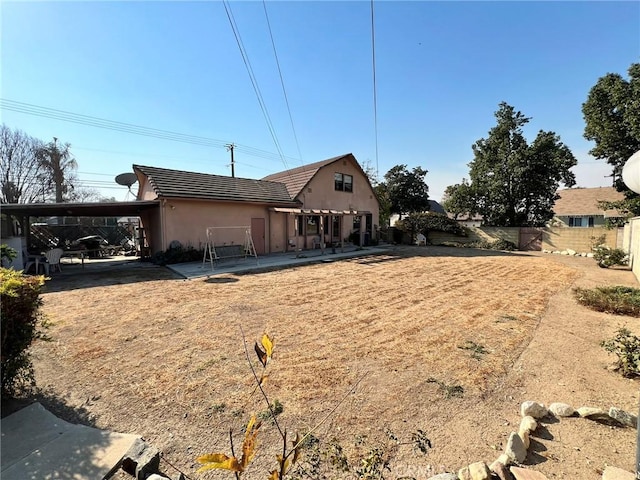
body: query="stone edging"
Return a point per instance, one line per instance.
(516, 450)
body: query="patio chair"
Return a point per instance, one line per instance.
(29, 261)
(53, 260)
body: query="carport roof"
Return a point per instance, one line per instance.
(99, 209)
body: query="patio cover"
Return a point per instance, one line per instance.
(318, 211)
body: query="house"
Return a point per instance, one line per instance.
(467, 220)
(312, 206)
(578, 207)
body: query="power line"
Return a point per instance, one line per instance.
(284, 91)
(87, 120)
(66, 116)
(375, 95)
(254, 81)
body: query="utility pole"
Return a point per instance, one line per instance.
(230, 147)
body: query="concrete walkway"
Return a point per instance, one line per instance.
(37, 445)
(267, 262)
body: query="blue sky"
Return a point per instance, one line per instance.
(441, 70)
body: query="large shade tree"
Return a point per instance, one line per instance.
(406, 190)
(612, 121)
(513, 183)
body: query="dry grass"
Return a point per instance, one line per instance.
(165, 358)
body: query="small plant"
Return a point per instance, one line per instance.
(476, 350)
(607, 256)
(420, 441)
(275, 409)
(619, 300)
(450, 391)
(372, 466)
(7, 254)
(626, 347)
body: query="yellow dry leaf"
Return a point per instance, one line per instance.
(267, 343)
(274, 475)
(218, 460)
(250, 442)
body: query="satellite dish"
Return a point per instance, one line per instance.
(126, 179)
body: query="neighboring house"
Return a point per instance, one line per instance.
(467, 220)
(578, 207)
(305, 207)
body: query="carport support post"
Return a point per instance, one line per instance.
(363, 227)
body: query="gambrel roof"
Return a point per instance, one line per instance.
(203, 186)
(297, 178)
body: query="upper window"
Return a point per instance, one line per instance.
(343, 182)
(581, 221)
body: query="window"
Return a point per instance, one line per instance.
(313, 225)
(581, 221)
(343, 182)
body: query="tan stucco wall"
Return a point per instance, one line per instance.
(320, 192)
(187, 220)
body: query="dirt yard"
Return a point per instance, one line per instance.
(145, 352)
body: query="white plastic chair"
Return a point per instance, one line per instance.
(53, 260)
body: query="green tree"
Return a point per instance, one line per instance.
(612, 117)
(459, 199)
(407, 190)
(612, 120)
(513, 183)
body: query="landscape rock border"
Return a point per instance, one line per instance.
(506, 466)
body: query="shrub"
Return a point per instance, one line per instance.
(7, 253)
(608, 257)
(627, 348)
(22, 323)
(500, 244)
(428, 221)
(619, 300)
(177, 254)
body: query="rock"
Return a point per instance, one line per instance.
(479, 471)
(464, 474)
(597, 415)
(571, 252)
(503, 459)
(562, 410)
(528, 423)
(525, 474)
(615, 473)
(501, 471)
(444, 476)
(515, 449)
(564, 252)
(524, 436)
(589, 255)
(141, 460)
(625, 418)
(533, 409)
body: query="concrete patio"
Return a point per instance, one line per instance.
(199, 269)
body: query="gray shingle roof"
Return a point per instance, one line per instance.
(297, 178)
(180, 184)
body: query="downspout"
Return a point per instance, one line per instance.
(163, 204)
